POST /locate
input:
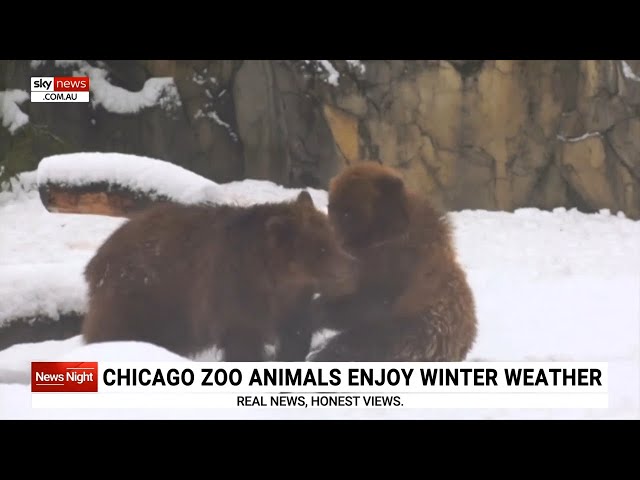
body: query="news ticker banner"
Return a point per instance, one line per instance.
(59, 89)
(319, 385)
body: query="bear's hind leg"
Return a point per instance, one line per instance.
(294, 337)
(241, 345)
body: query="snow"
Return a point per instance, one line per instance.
(250, 191)
(70, 63)
(159, 90)
(214, 116)
(333, 73)
(198, 79)
(327, 66)
(33, 292)
(578, 139)
(357, 64)
(42, 258)
(549, 285)
(628, 73)
(12, 117)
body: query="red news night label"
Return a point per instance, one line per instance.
(64, 376)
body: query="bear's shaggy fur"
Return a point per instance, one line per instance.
(413, 302)
(189, 277)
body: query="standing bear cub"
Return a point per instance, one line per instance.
(188, 277)
(413, 302)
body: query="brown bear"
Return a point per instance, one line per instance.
(413, 301)
(190, 277)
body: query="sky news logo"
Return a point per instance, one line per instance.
(64, 377)
(59, 89)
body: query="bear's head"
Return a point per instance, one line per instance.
(303, 241)
(368, 203)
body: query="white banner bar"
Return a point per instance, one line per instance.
(59, 97)
(388, 401)
(375, 377)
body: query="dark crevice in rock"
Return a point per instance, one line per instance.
(433, 174)
(574, 198)
(467, 68)
(365, 136)
(565, 83)
(634, 171)
(542, 177)
(479, 156)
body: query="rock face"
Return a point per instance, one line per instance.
(479, 134)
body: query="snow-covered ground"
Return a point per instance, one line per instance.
(558, 285)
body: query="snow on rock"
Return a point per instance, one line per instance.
(357, 64)
(156, 91)
(12, 117)
(628, 72)
(198, 79)
(70, 63)
(579, 138)
(333, 73)
(213, 115)
(321, 66)
(160, 91)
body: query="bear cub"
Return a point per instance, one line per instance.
(413, 302)
(189, 277)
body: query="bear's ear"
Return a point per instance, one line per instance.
(304, 199)
(279, 230)
(390, 185)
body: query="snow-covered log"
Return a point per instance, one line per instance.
(117, 184)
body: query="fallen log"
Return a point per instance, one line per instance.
(117, 184)
(96, 199)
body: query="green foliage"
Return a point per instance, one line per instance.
(25, 149)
